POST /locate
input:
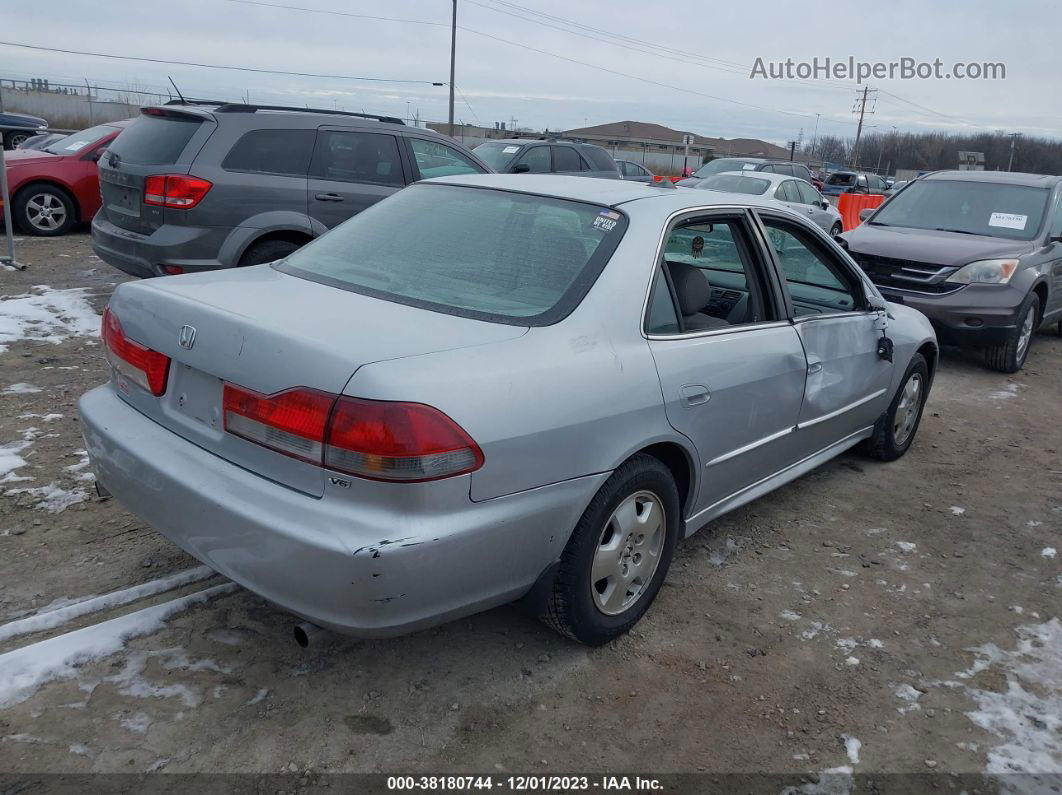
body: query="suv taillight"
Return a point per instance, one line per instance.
(376, 439)
(177, 191)
(147, 368)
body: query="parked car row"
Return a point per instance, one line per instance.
(17, 127)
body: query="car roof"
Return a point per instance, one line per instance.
(771, 177)
(523, 141)
(998, 177)
(605, 192)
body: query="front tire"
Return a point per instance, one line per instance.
(44, 210)
(618, 555)
(1010, 356)
(894, 435)
(13, 139)
(836, 229)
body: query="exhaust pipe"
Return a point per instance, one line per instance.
(305, 631)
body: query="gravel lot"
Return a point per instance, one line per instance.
(878, 618)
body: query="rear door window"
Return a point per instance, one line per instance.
(357, 157)
(436, 159)
(284, 152)
(565, 159)
(787, 192)
(155, 140)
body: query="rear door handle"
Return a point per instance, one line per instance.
(328, 197)
(695, 394)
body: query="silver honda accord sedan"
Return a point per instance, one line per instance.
(496, 387)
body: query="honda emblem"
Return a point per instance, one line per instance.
(187, 337)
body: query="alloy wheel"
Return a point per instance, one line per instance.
(628, 553)
(907, 410)
(1025, 335)
(46, 212)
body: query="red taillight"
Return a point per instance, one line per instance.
(397, 441)
(291, 422)
(143, 366)
(177, 191)
(172, 270)
(376, 439)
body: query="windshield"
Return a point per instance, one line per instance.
(725, 164)
(487, 254)
(497, 155)
(841, 179)
(978, 208)
(72, 144)
(735, 183)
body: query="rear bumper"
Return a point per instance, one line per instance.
(368, 559)
(191, 248)
(977, 315)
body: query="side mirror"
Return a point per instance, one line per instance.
(521, 168)
(98, 154)
(875, 303)
(824, 204)
(865, 213)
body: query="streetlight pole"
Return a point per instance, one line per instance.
(453, 56)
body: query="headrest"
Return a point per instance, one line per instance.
(691, 287)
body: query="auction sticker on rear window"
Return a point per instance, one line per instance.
(1008, 220)
(510, 149)
(606, 220)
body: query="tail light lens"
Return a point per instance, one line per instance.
(381, 440)
(177, 191)
(397, 441)
(291, 422)
(147, 368)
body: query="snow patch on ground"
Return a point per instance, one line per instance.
(137, 722)
(131, 680)
(789, 615)
(852, 746)
(957, 510)
(1049, 552)
(53, 498)
(10, 460)
(21, 389)
(906, 546)
(1006, 393)
(66, 611)
(24, 670)
(908, 694)
(1027, 716)
(47, 315)
(832, 781)
(259, 696)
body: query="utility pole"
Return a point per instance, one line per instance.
(815, 135)
(1013, 138)
(861, 103)
(453, 56)
(5, 197)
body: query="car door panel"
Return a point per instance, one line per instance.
(350, 171)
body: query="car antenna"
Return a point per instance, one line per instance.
(179, 94)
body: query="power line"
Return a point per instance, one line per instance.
(474, 115)
(217, 66)
(338, 13)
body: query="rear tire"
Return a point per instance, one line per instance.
(895, 433)
(44, 210)
(1010, 356)
(267, 251)
(625, 538)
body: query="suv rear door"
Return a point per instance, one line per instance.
(161, 141)
(351, 170)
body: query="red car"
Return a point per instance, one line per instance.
(55, 187)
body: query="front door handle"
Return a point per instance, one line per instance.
(695, 394)
(328, 197)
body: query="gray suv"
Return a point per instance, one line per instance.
(978, 252)
(548, 156)
(199, 186)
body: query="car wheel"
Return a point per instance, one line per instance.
(44, 210)
(836, 229)
(267, 251)
(13, 139)
(618, 555)
(1009, 356)
(894, 435)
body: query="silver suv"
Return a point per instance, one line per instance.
(199, 186)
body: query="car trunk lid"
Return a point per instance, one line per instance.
(268, 332)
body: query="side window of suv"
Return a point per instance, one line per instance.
(436, 159)
(565, 159)
(536, 158)
(271, 152)
(357, 157)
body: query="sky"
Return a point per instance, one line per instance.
(559, 65)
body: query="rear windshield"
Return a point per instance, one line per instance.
(74, 143)
(486, 254)
(841, 179)
(733, 183)
(497, 155)
(154, 140)
(726, 164)
(977, 208)
(599, 158)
